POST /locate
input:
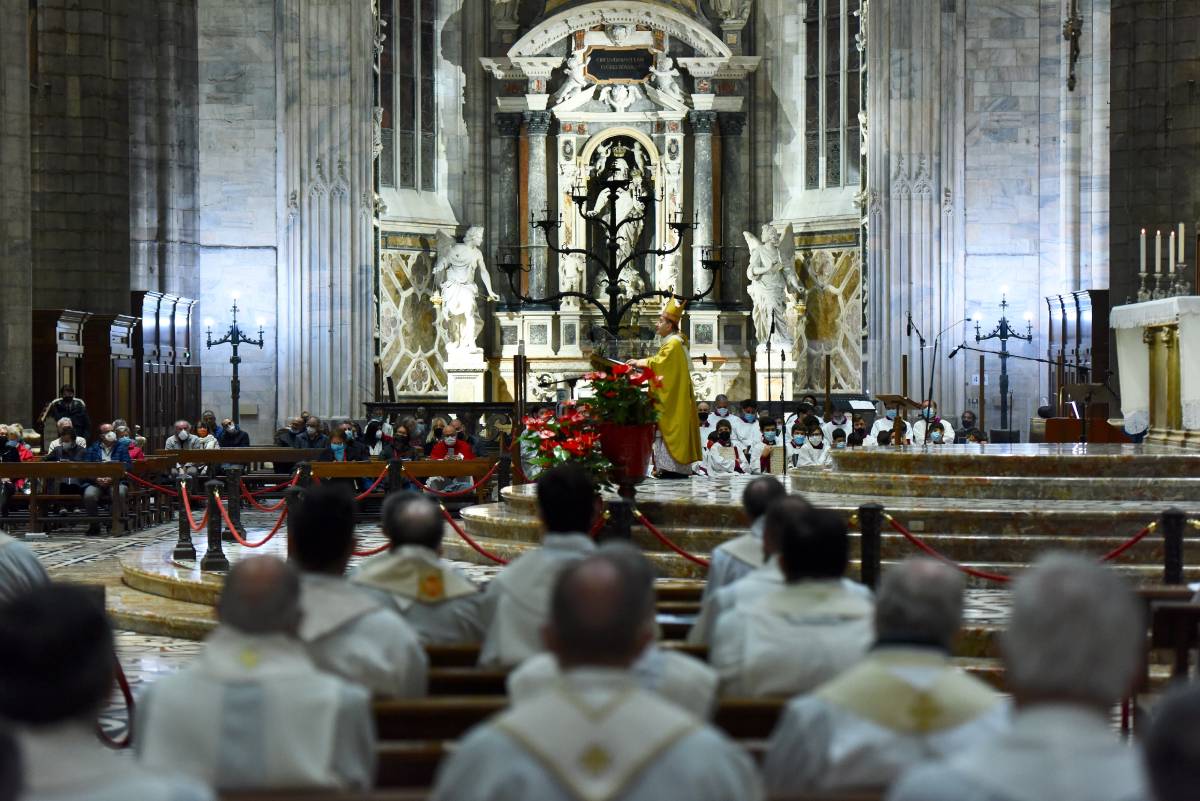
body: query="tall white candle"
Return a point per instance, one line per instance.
(1171, 254)
(1158, 251)
(1142, 252)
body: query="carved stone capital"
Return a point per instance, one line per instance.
(509, 124)
(537, 123)
(733, 123)
(703, 121)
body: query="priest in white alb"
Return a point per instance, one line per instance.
(253, 711)
(595, 734)
(903, 704)
(801, 635)
(438, 601)
(349, 630)
(742, 555)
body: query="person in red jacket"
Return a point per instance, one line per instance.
(14, 449)
(453, 445)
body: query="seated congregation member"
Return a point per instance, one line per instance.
(406, 443)
(966, 424)
(184, 440)
(454, 446)
(12, 450)
(379, 444)
(904, 703)
(708, 423)
(746, 431)
(803, 634)
(596, 733)
(253, 711)
(813, 451)
(723, 456)
(1172, 745)
(976, 437)
(940, 431)
(107, 448)
(286, 436)
(20, 569)
(677, 677)
(232, 435)
(742, 555)
(311, 437)
(1071, 651)
(67, 448)
(208, 421)
(437, 428)
(887, 422)
(343, 449)
(440, 603)
(125, 437)
(349, 631)
(205, 439)
(761, 453)
(55, 678)
(517, 601)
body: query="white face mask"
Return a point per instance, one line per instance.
(450, 440)
(312, 431)
(110, 437)
(378, 435)
(183, 435)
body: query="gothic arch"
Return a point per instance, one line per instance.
(585, 155)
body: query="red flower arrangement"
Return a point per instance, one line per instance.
(622, 394)
(551, 440)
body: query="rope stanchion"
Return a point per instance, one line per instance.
(1132, 541)
(254, 503)
(474, 545)
(374, 551)
(929, 550)
(658, 535)
(456, 493)
(242, 540)
(164, 490)
(277, 487)
(598, 526)
(127, 693)
(187, 510)
(363, 495)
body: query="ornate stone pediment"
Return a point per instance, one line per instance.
(661, 16)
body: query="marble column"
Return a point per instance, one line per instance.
(702, 199)
(506, 208)
(16, 397)
(735, 203)
(326, 265)
(537, 126)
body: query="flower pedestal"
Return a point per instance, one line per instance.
(628, 447)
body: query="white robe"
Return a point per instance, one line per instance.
(884, 424)
(828, 427)
(791, 640)
(517, 602)
(20, 570)
(351, 633)
(918, 434)
(679, 678)
(745, 434)
(735, 559)
(707, 429)
(597, 737)
(1052, 752)
(255, 712)
(717, 463)
(436, 599)
(68, 763)
(898, 707)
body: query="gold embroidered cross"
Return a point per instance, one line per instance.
(924, 711)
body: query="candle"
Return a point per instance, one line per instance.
(1158, 251)
(1180, 255)
(1171, 254)
(1142, 251)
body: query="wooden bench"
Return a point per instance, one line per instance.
(474, 469)
(252, 458)
(38, 473)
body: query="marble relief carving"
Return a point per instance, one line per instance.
(412, 346)
(832, 323)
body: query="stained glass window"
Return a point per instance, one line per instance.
(831, 92)
(410, 113)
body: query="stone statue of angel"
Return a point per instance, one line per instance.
(458, 266)
(773, 283)
(667, 273)
(666, 76)
(574, 79)
(570, 277)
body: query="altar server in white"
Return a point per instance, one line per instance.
(349, 630)
(801, 635)
(20, 570)
(677, 677)
(56, 675)
(738, 557)
(887, 422)
(1072, 649)
(253, 711)
(437, 600)
(517, 603)
(903, 704)
(595, 735)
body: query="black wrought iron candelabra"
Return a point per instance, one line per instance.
(614, 311)
(1004, 332)
(235, 338)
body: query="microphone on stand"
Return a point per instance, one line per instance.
(956, 350)
(909, 331)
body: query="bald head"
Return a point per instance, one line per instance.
(261, 596)
(412, 520)
(602, 609)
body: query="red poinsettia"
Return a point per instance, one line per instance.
(621, 394)
(569, 437)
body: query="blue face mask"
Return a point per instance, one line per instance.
(891, 414)
(722, 411)
(798, 439)
(338, 448)
(841, 443)
(12, 443)
(936, 436)
(749, 417)
(769, 437)
(927, 413)
(126, 441)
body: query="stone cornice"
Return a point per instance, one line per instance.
(678, 25)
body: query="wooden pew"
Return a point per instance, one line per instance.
(250, 457)
(473, 469)
(37, 473)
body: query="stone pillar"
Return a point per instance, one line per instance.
(537, 126)
(702, 199)
(735, 204)
(326, 267)
(505, 192)
(16, 398)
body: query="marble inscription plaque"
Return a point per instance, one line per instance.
(619, 64)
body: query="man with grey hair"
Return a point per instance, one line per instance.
(1071, 652)
(677, 677)
(904, 703)
(437, 600)
(595, 733)
(253, 711)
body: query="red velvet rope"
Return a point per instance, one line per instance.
(123, 683)
(457, 493)
(476, 546)
(187, 510)
(152, 485)
(598, 526)
(371, 488)
(237, 536)
(658, 535)
(374, 551)
(1132, 541)
(276, 488)
(249, 497)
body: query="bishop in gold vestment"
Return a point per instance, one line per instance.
(678, 447)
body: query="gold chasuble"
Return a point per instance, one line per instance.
(676, 399)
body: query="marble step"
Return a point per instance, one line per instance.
(1024, 460)
(1165, 490)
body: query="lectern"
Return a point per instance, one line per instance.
(900, 403)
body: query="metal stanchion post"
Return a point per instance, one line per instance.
(870, 523)
(214, 557)
(184, 549)
(1172, 523)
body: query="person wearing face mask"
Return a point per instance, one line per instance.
(931, 422)
(814, 451)
(746, 432)
(839, 439)
(184, 440)
(886, 423)
(721, 406)
(453, 445)
(797, 436)
(759, 455)
(286, 436)
(804, 411)
(67, 405)
(12, 449)
(67, 448)
(379, 445)
(208, 419)
(342, 447)
(205, 438)
(838, 421)
(125, 437)
(108, 448)
(708, 423)
(437, 427)
(723, 456)
(311, 437)
(232, 436)
(967, 423)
